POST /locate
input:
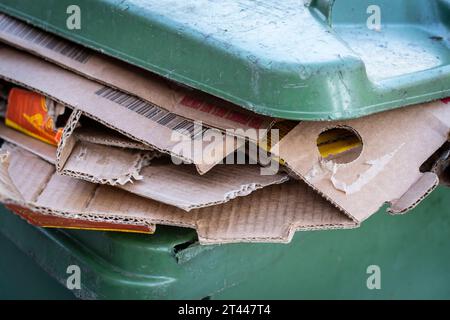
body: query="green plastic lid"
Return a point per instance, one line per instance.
(295, 59)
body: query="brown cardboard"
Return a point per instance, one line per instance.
(165, 182)
(130, 79)
(271, 214)
(48, 221)
(161, 181)
(99, 163)
(395, 145)
(108, 137)
(131, 116)
(43, 150)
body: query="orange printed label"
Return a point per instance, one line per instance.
(27, 112)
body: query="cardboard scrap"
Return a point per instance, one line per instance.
(133, 117)
(98, 163)
(119, 75)
(395, 145)
(271, 214)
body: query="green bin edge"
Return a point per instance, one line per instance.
(412, 252)
(331, 85)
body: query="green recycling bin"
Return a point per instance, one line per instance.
(294, 59)
(407, 254)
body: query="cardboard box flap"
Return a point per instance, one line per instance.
(98, 163)
(43, 150)
(182, 187)
(415, 194)
(104, 164)
(395, 144)
(133, 117)
(271, 214)
(114, 73)
(27, 173)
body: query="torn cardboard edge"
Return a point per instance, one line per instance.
(98, 163)
(119, 75)
(271, 214)
(130, 116)
(161, 181)
(395, 144)
(176, 185)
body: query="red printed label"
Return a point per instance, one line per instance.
(221, 112)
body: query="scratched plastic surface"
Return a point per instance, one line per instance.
(296, 59)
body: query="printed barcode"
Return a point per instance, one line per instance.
(152, 112)
(43, 39)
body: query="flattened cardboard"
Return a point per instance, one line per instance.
(161, 181)
(108, 137)
(271, 214)
(176, 185)
(131, 116)
(43, 150)
(30, 182)
(395, 145)
(164, 181)
(130, 79)
(47, 221)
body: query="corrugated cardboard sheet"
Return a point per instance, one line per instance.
(115, 175)
(133, 117)
(271, 214)
(395, 145)
(116, 74)
(177, 185)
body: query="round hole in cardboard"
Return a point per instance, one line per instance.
(341, 144)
